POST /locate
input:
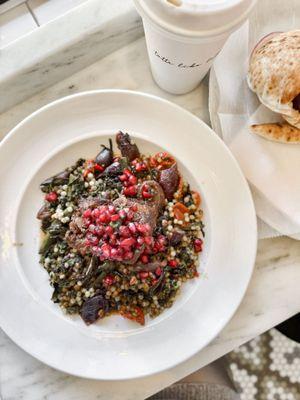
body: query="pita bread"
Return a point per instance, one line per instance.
(277, 132)
(274, 74)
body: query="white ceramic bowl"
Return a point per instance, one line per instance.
(53, 138)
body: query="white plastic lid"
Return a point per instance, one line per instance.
(194, 17)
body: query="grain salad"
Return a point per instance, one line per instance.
(121, 233)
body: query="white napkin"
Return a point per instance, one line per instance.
(272, 169)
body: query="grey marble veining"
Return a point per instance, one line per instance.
(65, 45)
(272, 296)
(126, 68)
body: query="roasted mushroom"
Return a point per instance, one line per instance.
(127, 148)
(169, 180)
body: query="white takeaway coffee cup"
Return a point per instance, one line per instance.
(184, 36)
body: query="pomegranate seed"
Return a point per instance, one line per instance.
(94, 240)
(158, 246)
(144, 259)
(143, 228)
(113, 236)
(124, 231)
(120, 251)
(140, 240)
(158, 271)
(198, 245)
(127, 172)
(106, 249)
(127, 242)
(109, 230)
(122, 214)
(140, 167)
(128, 255)
(134, 208)
(148, 240)
(155, 248)
(123, 178)
(130, 191)
(115, 217)
(109, 280)
(98, 167)
(143, 274)
(111, 209)
(96, 213)
(161, 239)
(87, 213)
(132, 227)
(51, 197)
(146, 195)
(99, 230)
(132, 180)
(114, 253)
(173, 263)
(104, 218)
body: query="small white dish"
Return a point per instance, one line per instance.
(53, 138)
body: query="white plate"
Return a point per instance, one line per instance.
(54, 137)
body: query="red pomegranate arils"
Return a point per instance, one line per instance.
(128, 255)
(143, 274)
(115, 217)
(146, 195)
(148, 240)
(122, 214)
(109, 280)
(140, 240)
(127, 242)
(127, 172)
(132, 180)
(144, 259)
(96, 213)
(111, 209)
(132, 227)
(51, 197)
(109, 230)
(106, 249)
(173, 263)
(124, 231)
(123, 178)
(87, 213)
(130, 191)
(198, 245)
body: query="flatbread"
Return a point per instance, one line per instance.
(277, 132)
(274, 73)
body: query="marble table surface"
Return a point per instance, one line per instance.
(272, 296)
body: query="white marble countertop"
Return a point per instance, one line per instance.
(273, 294)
